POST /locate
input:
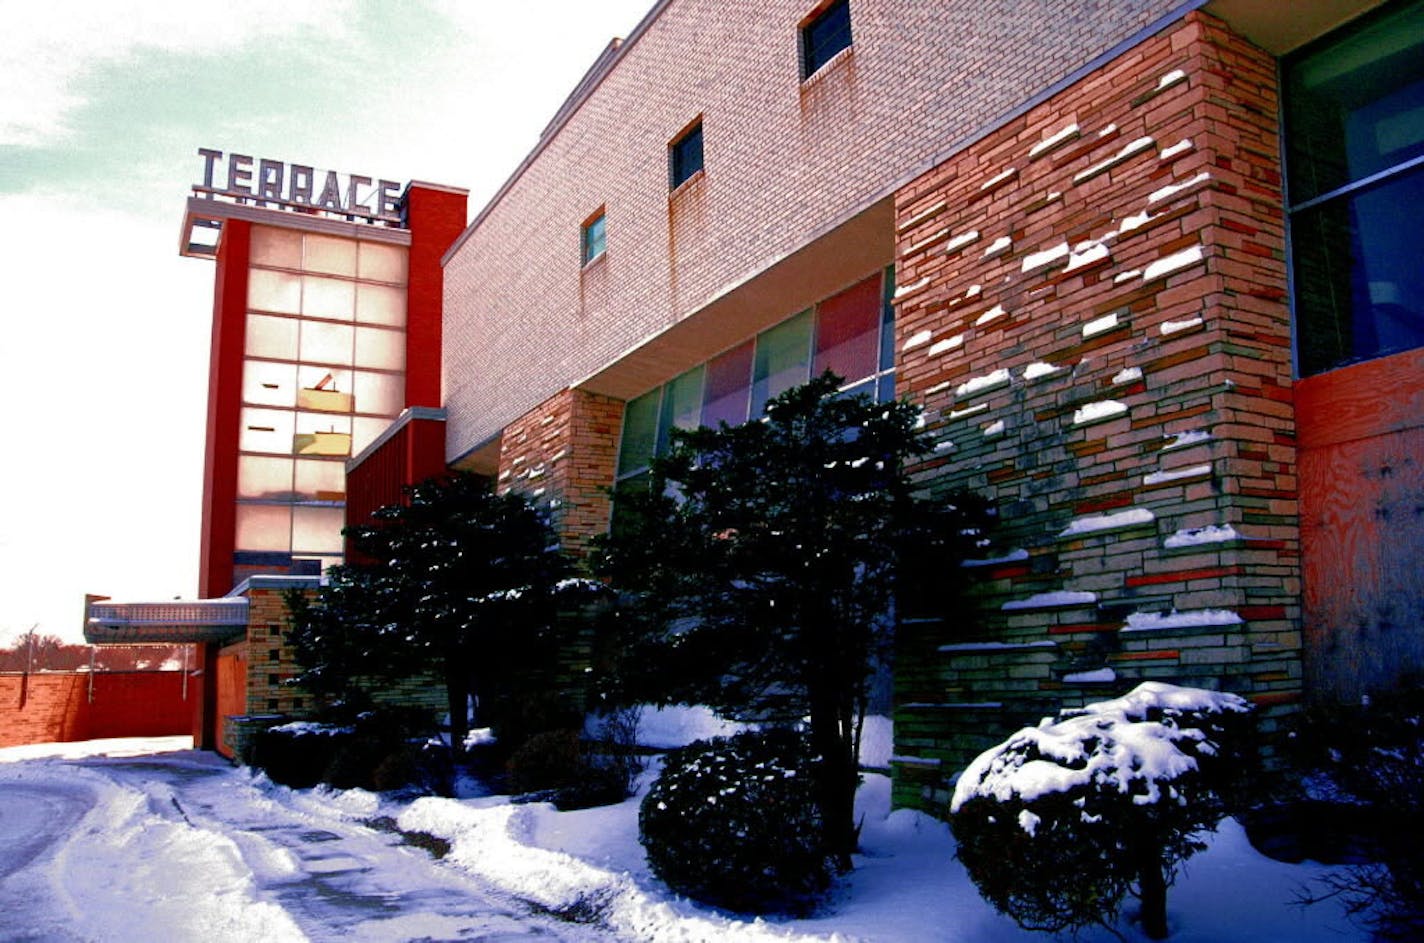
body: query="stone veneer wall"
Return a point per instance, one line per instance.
(1093, 312)
(565, 452)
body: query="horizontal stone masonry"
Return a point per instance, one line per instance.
(1108, 358)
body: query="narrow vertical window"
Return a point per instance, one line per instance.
(823, 35)
(593, 238)
(685, 155)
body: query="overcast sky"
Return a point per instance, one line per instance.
(104, 329)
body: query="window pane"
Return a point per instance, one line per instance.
(266, 430)
(1359, 285)
(317, 529)
(382, 393)
(687, 155)
(269, 384)
(328, 298)
(274, 291)
(887, 320)
(378, 349)
(264, 477)
(320, 480)
(729, 387)
(640, 432)
(279, 248)
(324, 388)
(783, 360)
(326, 343)
(848, 332)
(826, 35)
(271, 337)
(1356, 106)
(380, 304)
(682, 406)
(330, 254)
(381, 262)
(365, 431)
(264, 527)
(593, 239)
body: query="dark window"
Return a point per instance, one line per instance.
(593, 238)
(1354, 122)
(827, 33)
(685, 155)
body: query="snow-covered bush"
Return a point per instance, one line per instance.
(383, 749)
(733, 822)
(1058, 823)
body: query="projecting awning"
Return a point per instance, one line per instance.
(177, 623)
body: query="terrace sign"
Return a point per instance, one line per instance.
(294, 187)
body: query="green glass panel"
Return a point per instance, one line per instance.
(640, 432)
(783, 360)
(682, 406)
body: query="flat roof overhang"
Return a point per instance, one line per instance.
(203, 219)
(1280, 27)
(836, 259)
(175, 623)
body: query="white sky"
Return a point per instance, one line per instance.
(104, 328)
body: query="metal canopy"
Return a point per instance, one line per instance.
(178, 622)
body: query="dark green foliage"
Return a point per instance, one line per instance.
(379, 750)
(767, 587)
(558, 767)
(1137, 781)
(1374, 753)
(734, 822)
(461, 583)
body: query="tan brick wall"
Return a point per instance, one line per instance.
(785, 161)
(565, 452)
(269, 658)
(1092, 310)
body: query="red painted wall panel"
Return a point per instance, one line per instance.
(215, 574)
(436, 217)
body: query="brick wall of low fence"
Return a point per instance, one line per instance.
(71, 705)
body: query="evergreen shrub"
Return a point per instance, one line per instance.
(734, 822)
(1057, 824)
(558, 767)
(384, 749)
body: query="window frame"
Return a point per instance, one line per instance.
(678, 174)
(827, 10)
(598, 218)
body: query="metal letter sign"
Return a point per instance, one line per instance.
(265, 186)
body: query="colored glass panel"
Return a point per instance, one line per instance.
(594, 239)
(382, 263)
(380, 304)
(274, 291)
(640, 432)
(330, 254)
(783, 360)
(682, 406)
(848, 332)
(825, 36)
(729, 386)
(328, 298)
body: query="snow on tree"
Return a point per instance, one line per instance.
(764, 565)
(1059, 822)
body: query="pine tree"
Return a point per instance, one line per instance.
(763, 569)
(462, 582)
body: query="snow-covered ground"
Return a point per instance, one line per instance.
(147, 840)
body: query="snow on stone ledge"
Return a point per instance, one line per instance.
(1127, 375)
(1172, 263)
(1040, 369)
(947, 344)
(971, 648)
(1183, 439)
(1097, 412)
(1174, 327)
(1096, 676)
(1053, 140)
(1132, 517)
(1198, 536)
(916, 339)
(962, 240)
(1098, 325)
(1058, 599)
(1016, 556)
(1192, 619)
(980, 384)
(1163, 477)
